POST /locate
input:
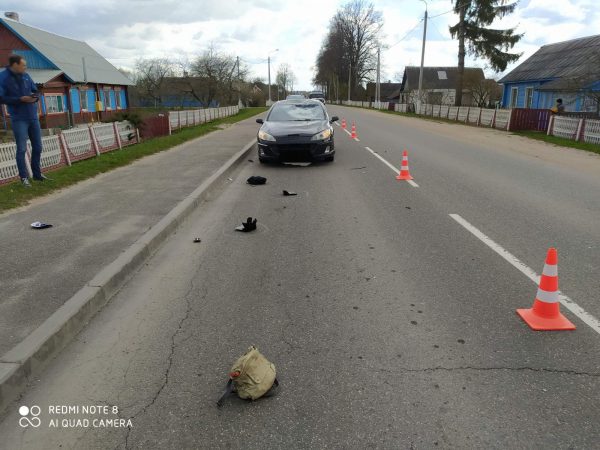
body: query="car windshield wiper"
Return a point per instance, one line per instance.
(304, 120)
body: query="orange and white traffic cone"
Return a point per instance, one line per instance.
(344, 124)
(545, 314)
(404, 171)
(353, 135)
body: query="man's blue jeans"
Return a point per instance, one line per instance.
(22, 130)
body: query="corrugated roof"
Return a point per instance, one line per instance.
(41, 76)
(566, 59)
(437, 77)
(66, 54)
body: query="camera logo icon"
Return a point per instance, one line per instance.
(29, 416)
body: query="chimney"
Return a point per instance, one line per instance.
(12, 15)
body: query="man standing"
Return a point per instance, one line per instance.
(19, 93)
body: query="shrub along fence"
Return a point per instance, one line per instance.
(90, 141)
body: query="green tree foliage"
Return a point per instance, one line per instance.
(473, 34)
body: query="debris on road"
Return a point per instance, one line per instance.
(256, 180)
(40, 225)
(251, 377)
(251, 160)
(197, 240)
(249, 225)
(358, 168)
(286, 193)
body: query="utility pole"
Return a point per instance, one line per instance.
(422, 57)
(240, 105)
(269, 63)
(378, 83)
(349, 78)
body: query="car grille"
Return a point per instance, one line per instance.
(296, 152)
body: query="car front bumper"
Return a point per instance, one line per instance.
(296, 151)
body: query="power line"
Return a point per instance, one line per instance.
(406, 35)
(452, 10)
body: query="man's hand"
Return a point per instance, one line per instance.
(28, 99)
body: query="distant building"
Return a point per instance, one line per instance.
(568, 70)
(387, 89)
(70, 94)
(439, 85)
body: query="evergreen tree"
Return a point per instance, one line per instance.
(488, 43)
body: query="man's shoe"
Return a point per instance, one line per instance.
(25, 182)
(42, 178)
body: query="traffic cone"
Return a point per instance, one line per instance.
(545, 314)
(353, 135)
(344, 124)
(404, 172)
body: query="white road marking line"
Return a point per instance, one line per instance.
(349, 134)
(395, 169)
(585, 317)
(337, 124)
(357, 139)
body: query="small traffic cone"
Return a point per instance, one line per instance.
(353, 135)
(545, 314)
(404, 171)
(344, 124)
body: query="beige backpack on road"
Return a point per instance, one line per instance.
(252, 376)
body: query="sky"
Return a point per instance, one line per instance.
(125, 30)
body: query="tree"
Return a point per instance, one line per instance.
(215, 75)
(150, 76)
(475, 16)
(285, 78)
(350, 47)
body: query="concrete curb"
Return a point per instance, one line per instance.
(29, 358)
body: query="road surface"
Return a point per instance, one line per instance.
(391, 322)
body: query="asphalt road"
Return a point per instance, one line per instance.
(390, 324)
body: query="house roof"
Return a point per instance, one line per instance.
(387, 89)
(41, 76)
(566, 59)
(436, 77)
(66, 55)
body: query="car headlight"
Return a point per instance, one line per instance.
(322, 136)
(264, 136)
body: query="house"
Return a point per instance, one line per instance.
(439, 85)
(569, 70)
(77, 84)
(386, 89)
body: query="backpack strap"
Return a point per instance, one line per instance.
(226, 393)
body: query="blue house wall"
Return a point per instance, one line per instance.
(538, 99)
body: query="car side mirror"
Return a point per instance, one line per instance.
(334, 119)
(260, 121)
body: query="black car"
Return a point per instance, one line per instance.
(296, 130)
(317, 95)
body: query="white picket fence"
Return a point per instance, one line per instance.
(190, 118)
(68, 146)
(92, 140)
(574, 128)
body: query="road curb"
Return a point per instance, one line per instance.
(29, 358)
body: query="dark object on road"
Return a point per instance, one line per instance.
(289, 193)
(256, 180)
(40, 225)
(251, 160)
(249, 225)
(359, 168)
(295, 131)
(251, 377)
(197, 240)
